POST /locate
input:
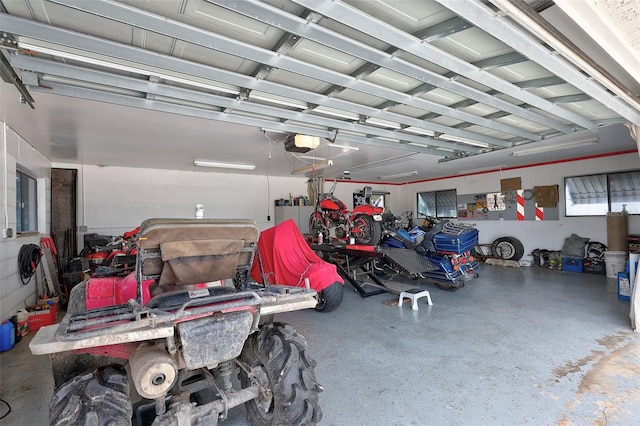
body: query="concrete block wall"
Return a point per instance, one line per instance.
(16, 151)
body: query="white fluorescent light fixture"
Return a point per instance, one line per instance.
(482, 169)
(556, 147)
(224, 165)
(80, 57)
(336, 113)
(399, 175)
(278, 100)
(264, 129)
(312, 167)
(335, 145)
(311, 157)
(464, 140)
(383, 123)
(419, 131)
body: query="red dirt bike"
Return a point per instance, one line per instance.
(363, 223)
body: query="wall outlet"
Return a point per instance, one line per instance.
(7, 233)
(82, 228)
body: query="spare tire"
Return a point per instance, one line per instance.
(507, 248)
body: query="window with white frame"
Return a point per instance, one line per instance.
(26, 203)
(596, 195)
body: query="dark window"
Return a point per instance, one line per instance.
(26, 203)
(596, 195)
(439, 204)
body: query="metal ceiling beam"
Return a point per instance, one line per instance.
(155, 89)
(9, 75)
(355, 18)
(156, 105)
(430, 34)
(520, 39)
(537, 83)
(566, 99)
(494, 62)
(155, 61)
(443, 29)
(198, 36)
(274, 16)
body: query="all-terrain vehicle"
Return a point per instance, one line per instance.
(176, 343)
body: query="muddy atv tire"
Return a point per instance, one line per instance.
(279, 365)
(97, 398)
(330, 297)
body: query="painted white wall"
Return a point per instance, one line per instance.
(15, 150)
(113, 200)
(549, 234)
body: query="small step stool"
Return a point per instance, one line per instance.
(414, 294)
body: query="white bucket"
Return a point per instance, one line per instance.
(614, 262)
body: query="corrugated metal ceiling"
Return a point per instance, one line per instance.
(433, 77)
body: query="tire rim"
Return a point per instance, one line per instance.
(505, 250)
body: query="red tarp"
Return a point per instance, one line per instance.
(287, 259)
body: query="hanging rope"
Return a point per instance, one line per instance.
(28, 260)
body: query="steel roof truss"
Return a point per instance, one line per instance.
(161, 25)
(136, 55)
(354, 18)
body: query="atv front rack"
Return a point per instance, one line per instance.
(133, 323)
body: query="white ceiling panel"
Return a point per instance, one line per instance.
(472, 45)
(392, 80)
(408, 15)
(297, 81)
(443, 97)
(318, 54)
(524, 71)
(225, 22)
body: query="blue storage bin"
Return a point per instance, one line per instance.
(572, 264)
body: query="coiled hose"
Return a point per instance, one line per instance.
(28, 259)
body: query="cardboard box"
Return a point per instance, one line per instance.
(511, 184)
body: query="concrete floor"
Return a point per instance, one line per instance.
(515, 346)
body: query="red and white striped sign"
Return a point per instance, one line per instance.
(539, 212)
(520, 204)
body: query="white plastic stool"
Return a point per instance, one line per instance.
(414, 294)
